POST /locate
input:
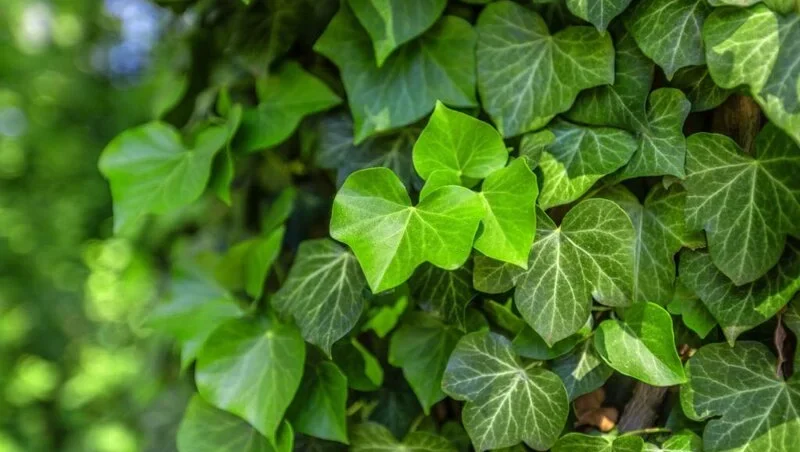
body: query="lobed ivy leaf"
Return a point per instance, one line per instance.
(590, 255)
(362, 369)
(642, 345)
(683, 441)
(372, 213)
(494, 276)
(597, 12)
(693, 312)
(247, 264)
(749, 407)
(444, 293)
(578, 442)
(440, 64)
(319, 408)
(529, 344)
(582, 370)
(247, 361)
(373, 437)
(507, 403)
(747, 205)
(700, 89)
(526, 75)
(325, 292)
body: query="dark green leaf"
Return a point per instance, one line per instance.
(319, 407)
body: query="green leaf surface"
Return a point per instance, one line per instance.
(444, 293)
(362, 369)
(582, 371)
(152, 170)
(597, 12)
(527, 343)
(578, 442)
(247, 361)
(751, 409)
(642, 345)
(372, 437)
(683, 441)
(526, 75)
(325, 292)
(693, 312)
(246, 265)
(387, 308)
(372, 213)
(285, 98)
(223, 168)
(507, 403)
(746, 204)
(319, 408)
(440, 64)
(590, 255)
(494, 276)
(699, 87)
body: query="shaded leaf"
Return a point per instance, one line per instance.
(443, 293)
(372, 437)
(319, 407)
(699, 87)
(582, 371)
(598, 12)
(693, 312)
(494, 276)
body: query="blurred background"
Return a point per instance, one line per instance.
(78, 372)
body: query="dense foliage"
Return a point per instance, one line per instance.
(435, 226)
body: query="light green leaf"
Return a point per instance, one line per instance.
(440, 64)
(669, 31)
(597, 12)
(589, 256)
(534, 144)
(683, 441)
(781, 6)
(694, 313)
(740, 308)
(493, 276)
(578, 158)
(421, 347)
(362, 369)
(444, 293)
(208, 429)
(319, 408)
(456, 142)
(753, 410)
(372, 437)
(747, 205)
(439, 179)
(325, 292)
(151, 170)
(509, 197)
(372, 213)
(759, 48)
(526, 75)
(502, 314)
(582, 371)
(699, 87)
(285, 98)
(578, 442)
(642, 346)
(391, 23)
(246, 265)
(507, 403)
(247, 361)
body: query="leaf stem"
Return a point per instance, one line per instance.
(647, 431)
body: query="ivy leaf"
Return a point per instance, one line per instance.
(494, 276)
(578, 157)
(393, 96)
(393, 23)
(455, 142)
(509, 197)
(578, 442)
(699, 87)
(669, 31)
(319, 408)
(526, 75)
(753, 409)
(151, 170)
(622, 104)
(759, 48)
(443, 293)
(589, 255)
(247, 264)
(740, 308)
(683, 441)
(362, 369)
(694, 313)
(599, 13)
(372, 437)
(421, 347)
(205, 428)
(372, 213)
(529, 344)
(642, 346)
(223, 169)
(582, 371)
(247, 361)
(284, 99)
(755, 200)
(387, 308)
(325, 292)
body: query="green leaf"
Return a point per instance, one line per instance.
(284, 99)
(421, 347)
(325, 292)
(502, 314)
(740, 308)
(694, 313)
(753, 410)
(747, 205)
(669, 31)
(319, 407)
(526, 75)
(372, 437)
(699, 87)
(223, 169)
(456, 142)
(494, 276)
(440, 64)
(443, 293)
(279, 211)
(387, 309)
(247, 264)
(589, 256)
(534, 144)
(578, 158)
(622, 104)
(660, 233)
(597, 12)
(439, 179)
(507, 403)
(582, 371)
(759, 48)
(151, 170)
(683, 441)
(247, 361)
(362, 369)
(642, 346)
(578, 442)
(529, 344)
(791, 318)
(372, 213)
(391, 23)
(208, 429)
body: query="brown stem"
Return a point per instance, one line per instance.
(739, 118)
(641, 410)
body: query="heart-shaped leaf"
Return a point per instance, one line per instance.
(578, 442)
(444, 293)
(319, 408)
(582, 371)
